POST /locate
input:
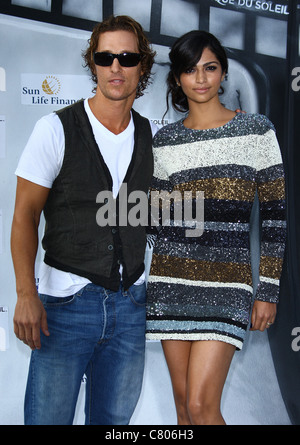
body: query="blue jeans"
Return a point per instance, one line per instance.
(96, 332)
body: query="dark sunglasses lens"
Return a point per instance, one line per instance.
(103, 59)
(128, 60)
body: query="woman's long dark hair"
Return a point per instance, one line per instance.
(184, 55)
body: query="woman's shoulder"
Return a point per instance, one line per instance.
(255, 122)
(168, 134)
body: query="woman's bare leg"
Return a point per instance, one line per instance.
(177, 353)
(198, 371)
(208, 368)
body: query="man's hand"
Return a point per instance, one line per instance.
(263, 315)
(30, 318)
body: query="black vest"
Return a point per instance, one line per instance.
(73, 240)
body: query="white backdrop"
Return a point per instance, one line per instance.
(30, 53)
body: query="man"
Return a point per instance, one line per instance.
(89, 316)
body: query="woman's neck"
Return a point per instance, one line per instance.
(205, 116)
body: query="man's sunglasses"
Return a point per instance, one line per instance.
(125, 59)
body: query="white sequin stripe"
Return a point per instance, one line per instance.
(269, 280)
(171, 280)
(274, 223)
(211, 225)
(255, 151)
(175, 158)
(195, 336)
(267, 152)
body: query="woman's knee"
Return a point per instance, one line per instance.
(202, 411)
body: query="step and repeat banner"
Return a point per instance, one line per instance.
(41, 70)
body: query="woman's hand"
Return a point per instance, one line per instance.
(263, 315)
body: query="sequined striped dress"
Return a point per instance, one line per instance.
(200, 287)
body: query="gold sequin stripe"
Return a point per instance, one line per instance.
(235, 189)
(270, 267)
(221, 188)
(232, 189)
(272, 190)
(190, 269)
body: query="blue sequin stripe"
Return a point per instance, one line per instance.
(213, 300)
(271, 233)
(215, 171)
(222, 239)
(241, 125)
(196, 251)
(191, 327)
(184, 321)
(273, 210)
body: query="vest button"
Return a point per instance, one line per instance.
(110, 247)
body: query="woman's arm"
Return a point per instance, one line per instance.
(271, 194)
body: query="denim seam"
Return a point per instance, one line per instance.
(104, 316)
(59, 303)
(62, 301)
(32, 383)
(90, 392)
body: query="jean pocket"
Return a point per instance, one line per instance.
(137, 294)
(50, 301)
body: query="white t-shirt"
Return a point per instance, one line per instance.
(41, 162)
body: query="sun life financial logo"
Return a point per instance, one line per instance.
(51, 85)
(42, 89)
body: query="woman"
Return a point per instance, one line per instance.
(200, 287)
